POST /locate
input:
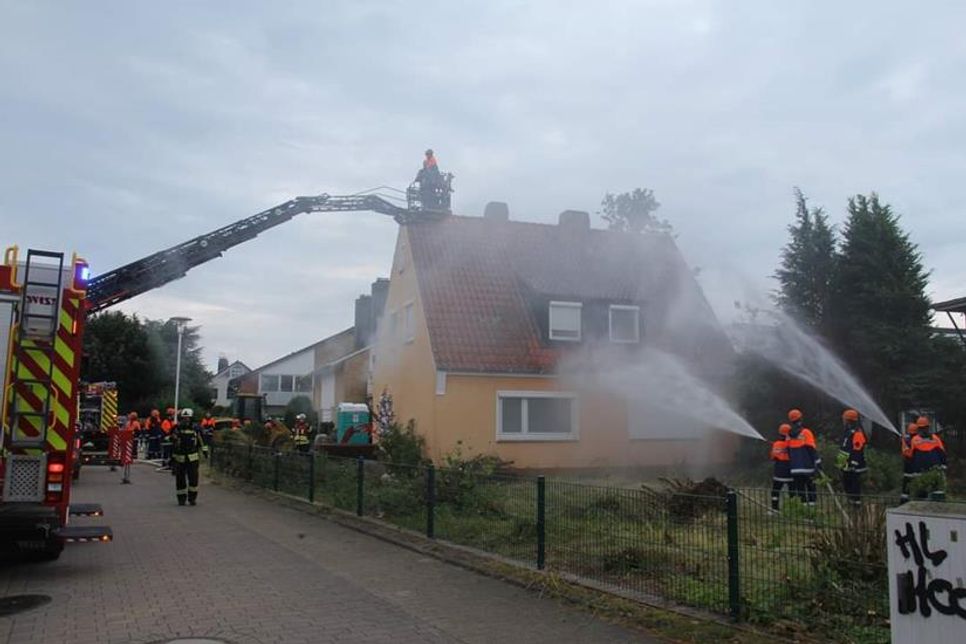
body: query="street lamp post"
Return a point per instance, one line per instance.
(180, 323)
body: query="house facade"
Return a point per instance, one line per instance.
(494, 331)
(219, 383)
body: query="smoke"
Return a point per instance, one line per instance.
(787, 346)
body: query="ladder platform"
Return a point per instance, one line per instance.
(85, 533)
(48, 284)
(86, 510)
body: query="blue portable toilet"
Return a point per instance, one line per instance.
(352, 424)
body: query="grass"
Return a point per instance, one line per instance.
(794, 577)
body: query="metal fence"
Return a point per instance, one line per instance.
(821, 569)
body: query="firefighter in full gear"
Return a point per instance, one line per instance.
(851, 456)
(300, 434)
(154, 435)
(907, 474)
(186, 452)
(926, 449)
(429, 179)
(782, 475)
(803, 458)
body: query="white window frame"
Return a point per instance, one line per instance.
(523, 435)
(637, 320)
(580, 323)
(409, 321)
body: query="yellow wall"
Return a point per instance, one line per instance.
(467, 410)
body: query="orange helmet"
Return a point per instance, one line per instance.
(133, 415)
(794, 415)
(922, 421)
(155, 413)
(784, 429)
(850, 414)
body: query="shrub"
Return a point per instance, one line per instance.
(300, 405)
(855, 552)
(458, 480)
(402, 446)
(923, 485)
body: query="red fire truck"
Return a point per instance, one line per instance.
(42, 309)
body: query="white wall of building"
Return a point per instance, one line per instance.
(220, 382)
(284, 380)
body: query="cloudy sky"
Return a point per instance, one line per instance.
(128, 127)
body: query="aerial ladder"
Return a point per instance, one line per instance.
(422, 204)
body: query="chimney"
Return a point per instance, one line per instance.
(222, 364)
(379, 291)
(363, 321)
(496, 211)
(574, 220)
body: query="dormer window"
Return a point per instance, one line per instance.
(565, 321)
(625, 324)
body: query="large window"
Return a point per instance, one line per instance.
(303, 384)
(269, 382)
(625, 326)
(536, 415)
(286, 383)
(565, 321)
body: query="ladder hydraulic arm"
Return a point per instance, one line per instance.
(170, 264)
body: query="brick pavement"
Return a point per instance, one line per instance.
(245, 570)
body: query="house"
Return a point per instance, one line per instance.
(486, 319)
(332, 370)
(219, 383)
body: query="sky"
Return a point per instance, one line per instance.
(128, 127)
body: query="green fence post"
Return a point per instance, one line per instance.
(734, 580)
(360, 489)
(541, 522)
(277, 454)
(431, 501)
(311, 477)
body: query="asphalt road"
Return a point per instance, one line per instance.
(242, 569)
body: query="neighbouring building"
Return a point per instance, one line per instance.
(220, 394)
(330, 371)
(482, 312)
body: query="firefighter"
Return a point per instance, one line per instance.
(300, 434)
(207, 429)
(907, 473)
(168, 425)
(782, 475)
(926, 449)
(154, 434)
(803, 458)
(187, 449)
(429, 179)
(851, 456)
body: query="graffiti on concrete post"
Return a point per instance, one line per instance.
(923, 589)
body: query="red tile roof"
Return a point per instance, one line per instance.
(478, 279)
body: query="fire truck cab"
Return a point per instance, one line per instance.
(42, 309)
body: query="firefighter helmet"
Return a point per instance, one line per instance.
(850, 415)
(922, 421)
(300, 417)
(794, 415)
(187, 412)
(784, 429)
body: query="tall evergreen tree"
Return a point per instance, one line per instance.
(880, 314)
(807, 265)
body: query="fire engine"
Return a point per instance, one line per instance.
(43, 304)
(42, 308)
(97, 422)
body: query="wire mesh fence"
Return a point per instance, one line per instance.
(822, 567)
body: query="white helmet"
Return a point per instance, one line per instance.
(187, 412)
(300, 417)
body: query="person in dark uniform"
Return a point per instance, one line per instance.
(187, 448)
(851, 456)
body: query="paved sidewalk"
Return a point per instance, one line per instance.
(245, 570)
